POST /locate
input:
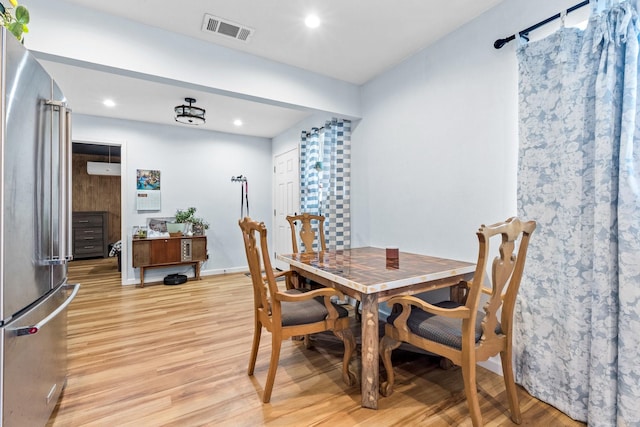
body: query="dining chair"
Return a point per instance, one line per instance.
(311, 232)
(307, 232)
(288, 312)
(460, 332)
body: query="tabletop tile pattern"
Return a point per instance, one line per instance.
(369, 267)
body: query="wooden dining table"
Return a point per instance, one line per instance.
(368, 275)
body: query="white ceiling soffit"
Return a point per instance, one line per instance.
(224, 27)
(153, 102)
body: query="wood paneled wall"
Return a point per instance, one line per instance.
(97, 192)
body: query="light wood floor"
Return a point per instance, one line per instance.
(177, 356)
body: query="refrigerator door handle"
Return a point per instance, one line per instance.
(66, 193)
(65, 249)
(33, 329)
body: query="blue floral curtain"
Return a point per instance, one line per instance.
(577, 336)
(325, 179)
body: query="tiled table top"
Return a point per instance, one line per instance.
(367, 270)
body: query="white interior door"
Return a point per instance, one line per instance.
(286, 202)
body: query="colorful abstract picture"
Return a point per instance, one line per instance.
(148, 179)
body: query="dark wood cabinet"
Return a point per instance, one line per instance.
(169, 251)
(90, 231)
(166, 251)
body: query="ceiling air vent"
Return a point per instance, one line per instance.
(217, 25)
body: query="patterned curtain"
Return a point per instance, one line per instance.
(578, 315)
(325, 180)
(309, 162)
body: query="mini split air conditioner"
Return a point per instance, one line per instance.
(102, 168)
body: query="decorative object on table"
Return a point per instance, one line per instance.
(393, 257)
(176, 229)
(198, 226)
(148, 190)
(157, 227)
(139, 232)
(462, 332)
(15, 19)
(244, 193)
(191, 223)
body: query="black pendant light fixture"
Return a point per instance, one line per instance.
(188, 114)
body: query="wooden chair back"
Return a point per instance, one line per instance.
(506, 274)
(311, 228)
(255, 243)
(451, 328)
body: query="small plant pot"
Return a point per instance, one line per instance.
(175, 228)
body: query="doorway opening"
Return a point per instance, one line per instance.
(97, 203)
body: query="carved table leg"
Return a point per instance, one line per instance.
(370, 368)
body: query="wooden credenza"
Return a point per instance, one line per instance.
(165, 252)
(90, 234)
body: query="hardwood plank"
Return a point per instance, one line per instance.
(178, 355)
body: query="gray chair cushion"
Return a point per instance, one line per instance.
(439, 328)
(311, 311)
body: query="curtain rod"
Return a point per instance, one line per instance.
(524, 33)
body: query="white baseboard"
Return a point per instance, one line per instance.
(493, 364)
(153, 275)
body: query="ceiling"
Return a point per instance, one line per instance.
(356, 41)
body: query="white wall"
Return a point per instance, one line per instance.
(196, 168)
(435, 154)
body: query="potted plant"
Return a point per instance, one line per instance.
(184, 215)
(187, 216)
(15, 20)
(199, 225)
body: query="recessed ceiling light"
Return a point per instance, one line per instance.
(312, 21)
(109, 103)
(237, 122)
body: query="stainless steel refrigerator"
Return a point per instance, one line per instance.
(34, 237)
